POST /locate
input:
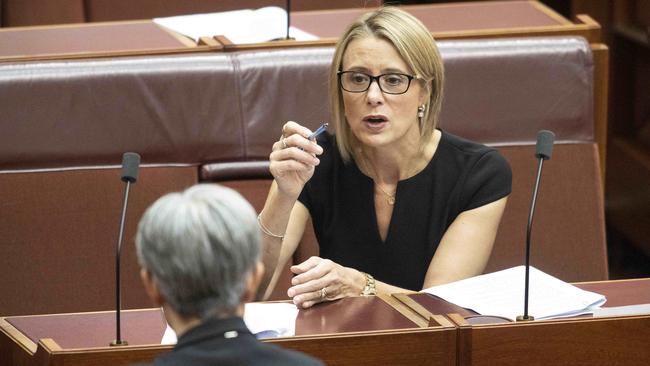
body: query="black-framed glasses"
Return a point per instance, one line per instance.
(390, 83)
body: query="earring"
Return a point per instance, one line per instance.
(421, 115)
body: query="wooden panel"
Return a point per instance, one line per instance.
(568, 235)
(601, 98)
(628, 195)
(59, 231)
(576, 341)
(32, 12)
(419, 347)
(589, 342)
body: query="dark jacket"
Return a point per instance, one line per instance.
(229, 342)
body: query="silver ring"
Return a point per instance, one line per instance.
(323, 293)
(284, 144)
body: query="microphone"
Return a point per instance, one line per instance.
(543, 151)
(130, 165)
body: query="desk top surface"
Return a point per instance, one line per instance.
(86, 38)
(452, 17)
(358, 314)
(145, 37)
(146, 326)
(438, 345)
(621, 292)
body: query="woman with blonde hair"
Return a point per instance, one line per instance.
(396, 203)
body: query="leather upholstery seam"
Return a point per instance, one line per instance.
(240, 109)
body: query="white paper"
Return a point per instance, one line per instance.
(271, 319)
(264, 320)
(640, 309)
(169, 337)
(502, 293)
(239, 26)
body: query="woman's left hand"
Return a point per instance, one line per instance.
(319, 280)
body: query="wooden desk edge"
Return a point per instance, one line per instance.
(405, 310)
(609, 281)
(424, 315)
(30, 347)
(462, 323)
(109, 54)
(17, 337)
(590, 31)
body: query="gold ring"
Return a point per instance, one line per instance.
(284, 144)
(323, 293)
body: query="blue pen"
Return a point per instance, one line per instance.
(318, 131)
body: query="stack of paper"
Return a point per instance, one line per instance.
(239, 26)
(502, 293)
(265, 320)
(271, 319)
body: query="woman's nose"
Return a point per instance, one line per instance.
(374, 93)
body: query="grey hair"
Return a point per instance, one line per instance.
(200, 246)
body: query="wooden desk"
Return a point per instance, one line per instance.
(352, 331)
(108, 39)
(480, 19)
(573, 341)
(360, 331)
(129, 38)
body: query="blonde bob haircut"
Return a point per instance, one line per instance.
(418, 49)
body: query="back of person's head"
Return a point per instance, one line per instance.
(414, 43)
(200, 246)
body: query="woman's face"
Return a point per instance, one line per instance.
(378, 119)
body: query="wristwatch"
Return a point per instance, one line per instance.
(369, 289)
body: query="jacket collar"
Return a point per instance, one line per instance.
(212, 328)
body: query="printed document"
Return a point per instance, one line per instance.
(502, 293)
(239, 26)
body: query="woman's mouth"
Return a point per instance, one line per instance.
(375, 120)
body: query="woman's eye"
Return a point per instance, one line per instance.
(393, 79)
(359, 78)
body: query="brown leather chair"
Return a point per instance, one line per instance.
(500, 92)
(214, 117)
(65, 126)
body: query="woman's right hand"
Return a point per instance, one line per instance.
(293, 158)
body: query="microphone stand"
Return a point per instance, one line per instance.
(118, 284)
(130, 164)
(527, 317)
(287, 37)
(288, 18)
(544, 149)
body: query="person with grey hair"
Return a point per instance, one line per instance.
(396, 203)
(199, 252)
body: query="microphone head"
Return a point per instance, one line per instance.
(544, 147)
(130, 165)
